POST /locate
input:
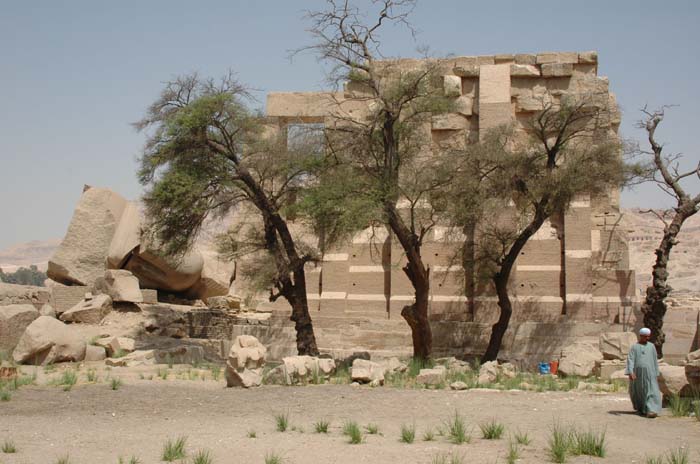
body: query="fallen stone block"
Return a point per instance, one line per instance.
(14, 320)
(458, 386)
(47, 340)
(579, 359)
(95, 353)
(300, 370)
(524, 70)
(89, 311)
(245, 362)
(604, 369)
(136, 358)
(672, 379)
(488, 372)
(433, 376)
(121, 345)
(12, 294)
(616, 345)
(366, 371)
(121, 285)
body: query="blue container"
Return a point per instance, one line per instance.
(544, 368)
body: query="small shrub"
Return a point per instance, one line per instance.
(321, 426)
(68, 379)
(429, 435)
(654, 460)
(457, 430)
(282, 421)
(589, 443)
(120, 353)
(163, 373)
(559, 443)
(696, 409)
(132, 460)
(91, 375)
(372, 429)
(169, 360)
(677, 456)
(492, 430)
(202, 457)
(174, 450)
(8, 447)
(273, 458)
(252, 434)
(408, 433)
(448, 459)
(522, 438)
(63, 460)
(115, 383)
(353, 432)
(680, 407)
(513, 452)
(215, 372)
(5, 395)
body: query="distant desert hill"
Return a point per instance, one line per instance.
(644, 233)
(25, 254)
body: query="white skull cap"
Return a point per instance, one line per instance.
(644, 331)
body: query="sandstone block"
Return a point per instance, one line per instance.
(449, 121)
(121, 344)
(527, 103)
(452, 86)
(120, 285)
(226, 302)
(95, 353)
(557, 57)
(136, 358)
(605, 369)
(590, 57)
(80, 259)
(464, 105)
(524, 58)
(692, 374)
(672, 379)
(488, 372)
(215, 278)
(47, 310)
(431, 376)
(182, 354)
(89, 311)
(504, 58)
(156, 271)
(47, 340)
(366, 371)
(11, 294)
(14, 320)
(393, 365)
(302, 369)
(616, 345)
(245, 363)
(458, 386)
(466, 70)
(557, 70)
(693, 356)
(126, 238)
(524, 70)
(579, 359)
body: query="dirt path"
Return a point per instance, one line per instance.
(94, 424)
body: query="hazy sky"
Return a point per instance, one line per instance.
(75, 74)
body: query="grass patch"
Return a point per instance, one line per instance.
(408, 433)
(457, 431)
(589, 443)
(8, 447)
(68, 379)
(353, 432)
(91, 375)
(282, 421)
(559, 443)
(342, 375)
(522, 438)
(429, 435)
(5, 395)
(492, 430)
(163, 373)
(273, 458)
(115, 383)
(451, 458)
(174, 450)
(252, 434)
(513, 452)
(372, 429)
(202, 457)
(654, 460)
(63, 460)
(132, 460)
(215, 372)
(321, 426)
(680, 407)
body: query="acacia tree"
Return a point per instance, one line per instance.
(666, 174)
(207, 155)
(525, 183)
(384, 149)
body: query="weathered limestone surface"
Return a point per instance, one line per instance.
(616, 345)
(89, 311)
(672, 379)
(245, 362)
(11, 294)
(579, 359)
(47, 340)
(120, 285)
(301, 369)
(14, 319)
(367, 371)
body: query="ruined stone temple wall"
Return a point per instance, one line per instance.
(572, 280)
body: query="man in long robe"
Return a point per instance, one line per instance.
(643, 370)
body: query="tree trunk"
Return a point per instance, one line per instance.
(306, 340)
(498, 330)
(654, 307)
(416, 315)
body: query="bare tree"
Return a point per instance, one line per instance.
(383, 148)
(668, 177)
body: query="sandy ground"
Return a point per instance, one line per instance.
(94, 424)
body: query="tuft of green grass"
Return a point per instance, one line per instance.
(115, 383)
(8, 447)
(163, 373)
(522, 438)
(91, 375)
(120, 353)
(429, 435)
(491, 430)
(252, 434)
(202, 457)
(372, 429)
(696, 409)
(589, 443)
(513, 452)
(677, 456)
(321, 426)
(169, 360)
(680, 407)
(174, 450)
(68, 379)
(5, 395)
(654, 460)
(63, 460)
(457, 430)
(408, 433)
(353, 432)
(215, 372)
(282, 421)
(132, 460)
(452, 458)
(273, 458)
(559, 443)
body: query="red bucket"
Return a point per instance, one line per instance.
(553, 366)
